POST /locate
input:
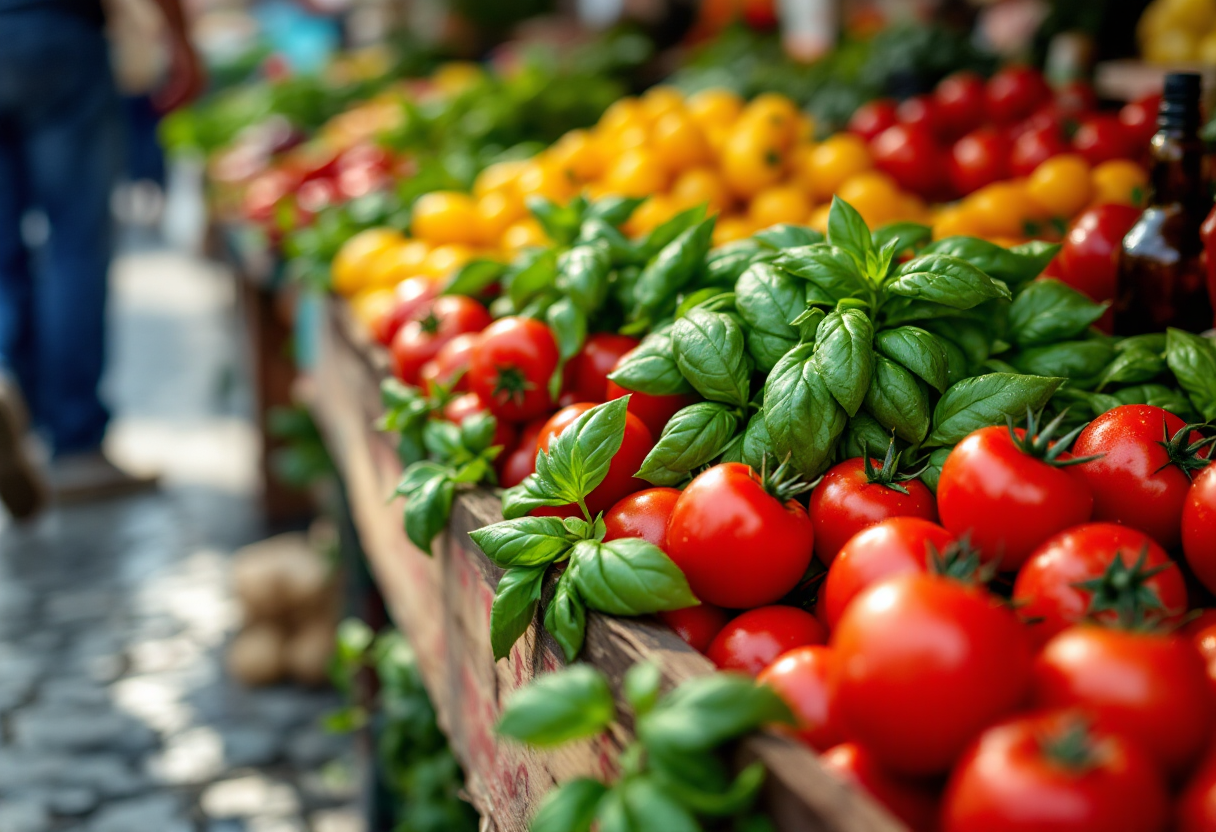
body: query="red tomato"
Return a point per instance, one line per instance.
(1139, 120)
(920, 111)
(419, 340)
(979, 158)
(1014, 93)
(697, 626)
(960, 102)
(655, 411)
(1076, 97)
(1204, 639)
(738, 544)
(893, 547)
(910, 155)
(1196, 807)
(620, 480)
(1152, 688)
(1035, 146)
(800, 677)
(924, 663)
(1089, 258)
(1101, 138)
(643, 514)
(1050, 588)
(1199, 527)
(756, 638)
(511, 366)
(1137, 481)
(450, 364)
(1051, 772)
(847, 500)
(587, 373)
(462, 407)
(1007, 493)
(910, 802)
(412, 297)
(872, 118)
(516, 466)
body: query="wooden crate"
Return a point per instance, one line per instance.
(443, 605)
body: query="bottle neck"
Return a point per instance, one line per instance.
(1176, 172)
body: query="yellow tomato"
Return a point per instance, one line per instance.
(659, 101)
(753, 157)
(1061, 185)
(955, 221)
(542, 179)
(620, 115)
(650, 214)
(805, 132)
(445, 259)
(778, 112)
(499, 176)
(729, 229)
(714, 107)
(527, 232)
(875, 196)
(456, 76)
(678, 142)
(351, 269)
(1205, 52)
(1172, 46)
(636, 173)
(579, 155)
(700, 186)
(629, 138)
(496, 212)
(400, 261)
(1119, 181)
(1002, 209)
(716, 136)
(831, 162)
(780, 203)
(370, 305)
(818, 219)
(445, 217)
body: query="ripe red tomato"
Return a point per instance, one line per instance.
(872, 118)
(1101, 138)
(1137, 481)
(920, 111)
(1014, 93)
(960, 102)
(420, 339)
(620, 479)
(1050, 592)
(738, 544)
(924, 664)
(412, 296)
(697, 626)
(1150, 687)
(1139, 120)
(462, 407)
(909, 801)
(511, 366)
(1009, 495)
(1075, 97)
(655, 411)
(1051, 771)
(642, 514)
(1196, 807)
(450, 364)
(516, 465)
(1035, 146)
(979, 158)
(1089, 258)
(801, 677)
(847, 500)
(893, 547)
(1199, 527)
(910, 155)
(756, 638)
(586, 374)
(1204, 639)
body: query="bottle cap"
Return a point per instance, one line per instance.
(1180, 100)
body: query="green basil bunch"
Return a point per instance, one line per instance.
(671, 775)
(628, 576)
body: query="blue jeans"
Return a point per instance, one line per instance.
(60, 152)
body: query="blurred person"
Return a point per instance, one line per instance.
(61, 148)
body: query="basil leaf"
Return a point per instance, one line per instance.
(981, 401)
(671, 270)
(946, 280)
(441, 439)
(539, 275)
(474, 277)
(896, 400)
(558, 707)
(738, 796)
(566, 615)
(725, 264)
(972, 338)
(560, 222)
(1033, 258)
(801, 416)
(529, 494)
(614, 210)
(919, 351)
(524, 541)
(786, 235)
(650, 367)
(1013, 266)
(957, 367)
(933, 472)
(417, 475)
(582, 274)
(1158, 395)
(568, 323)
(848, 231)
(844, 356)
(1048, 310)
(768, 299)
(1068, 359)
(693, 437)
(1192, 358)
(427, 511)
(706, 711)
(663, 235)
(578, 457)
(641, 687)
(477, 431)
(644, 806)
(863, 437)
(831, 272)
(514, 606)
(621, 252)
(710, 353)
(756, 445)
(629, 576)
(905, 235)
(570, 807)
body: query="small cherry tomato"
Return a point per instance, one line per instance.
(418, 341)
(462, 407)
(587, 372)
(511, 365)
(1076, 97)
(754, 640)
(1196, 807)
(920, 111)
(1089, 258)
(411, 296)
(697, 626)
(1014, 93)
(960, 102)
(516, 465)
(1204, 639)
(979, 158)
(1139, 120)
(802, 678)
(872, 118)
(450, 364)
(1101, 138)
(1034, 147)
(908, 800)
(642, 514)
(910, 155)
(1199, 527)
(654, 411)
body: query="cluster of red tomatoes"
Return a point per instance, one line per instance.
(1014, 653)
(970, 132)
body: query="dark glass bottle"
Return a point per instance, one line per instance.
(1161, 280)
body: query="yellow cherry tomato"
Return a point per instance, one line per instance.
(1119, 181)
(833, 161)
(370, 305)
(351, 269)
(778, 112)
(499, 176)
(955, 221)
(714, 107)
(875, 196)
(818, 219)
(636, 173)
(542, 179)
(677, 142)
(620, 115)
(1003, 209)
(729, 229)
(579, 155)
(629, 138)
(780, 203)
(400, 261)
(527, 232)
(659, 101)
(753, 157)
(445, 259)
(650, 214)
(1061, 185)
(445, 217)
(699, 186)
(496, 212)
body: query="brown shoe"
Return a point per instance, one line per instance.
(81, 477)
(21, 484)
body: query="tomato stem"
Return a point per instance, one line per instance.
(1125, 591)
(1039, 442)
(1182, 455)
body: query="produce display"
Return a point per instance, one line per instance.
(1178, 31)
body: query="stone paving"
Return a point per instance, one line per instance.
(115, 711)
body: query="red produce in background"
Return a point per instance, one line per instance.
(1089, 258)
(873, 117)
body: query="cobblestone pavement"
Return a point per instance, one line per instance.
(115, 712)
